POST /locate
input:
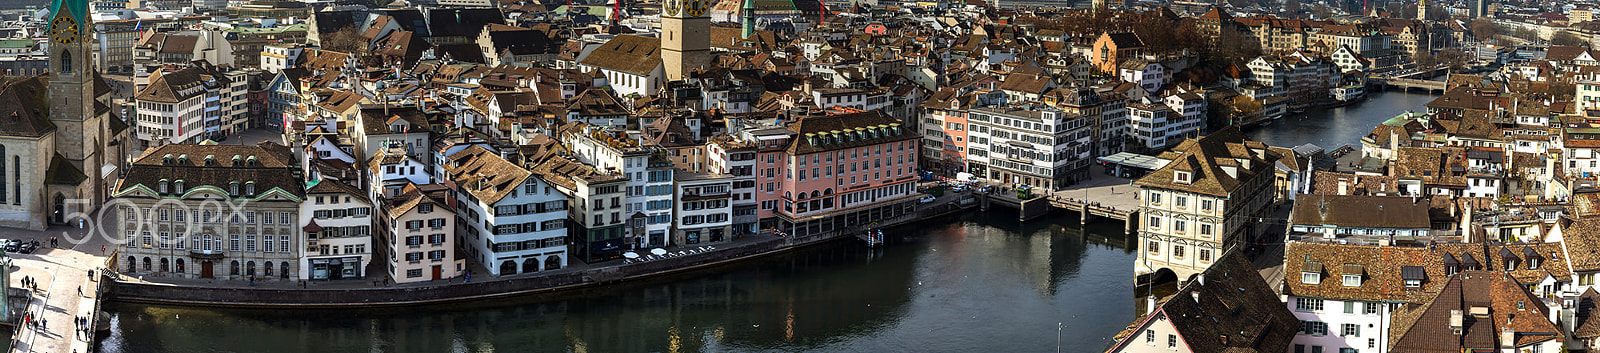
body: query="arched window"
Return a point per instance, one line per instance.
(233, 268)
(164, 265)
(133, 264)
(250, 268)
(508, 268)
(179, 263)
(552, 262)
(283, 269)
(267, 270)
(66, 62)
(530, 265)
(147, 264)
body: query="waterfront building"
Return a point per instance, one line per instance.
(173, 224)
(598, 221)
(839, 173)
(704, 209)
(419, 229)
(1230, 308)
(1489, 310)
(648, 184)
(338, 232)
(509, 220)
(1038, 146)
(737, 158)
(1203, 203)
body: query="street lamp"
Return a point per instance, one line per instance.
(1058, 337)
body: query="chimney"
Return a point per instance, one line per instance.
(1508, 338)
(1149, 304)
(1455, 321)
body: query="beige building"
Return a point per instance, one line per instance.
(211, 211)
(421, 237)
(1203, 202)
(338, 231)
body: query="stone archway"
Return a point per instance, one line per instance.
(59, 209)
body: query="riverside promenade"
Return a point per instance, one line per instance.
(68, 289)
(367, 293)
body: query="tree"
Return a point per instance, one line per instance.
(1291, 6)
(1423, 58)
(346, 40)
(1455, 59)
(1485, 29)
(1568, 39)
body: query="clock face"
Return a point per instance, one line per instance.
(671, 7)
(64, 30)
(695, 8)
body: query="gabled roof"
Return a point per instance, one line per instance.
(627, 53)
(1207, 161)
(1425, 326)
(24, 106)
(1360, 211)
(484, 174)
(1229, 309)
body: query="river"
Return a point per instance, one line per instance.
(1336, 127)
(980, 282)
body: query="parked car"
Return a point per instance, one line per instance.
(13, 245)
(927, 199)
(27, 248)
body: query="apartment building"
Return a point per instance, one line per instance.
(1038, 146)
(338, 231)
(419, 228)
(507, 218)
(1203, 202)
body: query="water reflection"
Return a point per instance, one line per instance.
(980, 282)
(1341, 126)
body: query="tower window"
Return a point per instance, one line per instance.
(66, 62)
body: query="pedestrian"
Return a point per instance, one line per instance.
(102, 250)
(80, 291)
(469, 277)
(252, 280)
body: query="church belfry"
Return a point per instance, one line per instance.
(685, 37)
(73, 171)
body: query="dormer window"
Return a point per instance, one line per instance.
(1352, 275)
(250, 188)
(163, 186)
(1311, 273)
(179, 186)
(211, 161)
(1181, 177)
(233, 188)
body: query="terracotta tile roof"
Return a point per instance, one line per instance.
(1207, 159)
(1588, 319)
(1582, 238)
(484, 174)
(1551, 261)
(1327, 183)
(1424, 326)
(627, 53)
(1230, 309)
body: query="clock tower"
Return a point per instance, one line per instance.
(80, 129)
(685, 37)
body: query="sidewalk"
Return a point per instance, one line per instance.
(368, 282)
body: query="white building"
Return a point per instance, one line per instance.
(1038, 145)
(391, 170)
(189, 105)
(736, 157)
(511, 221)
(1203, 202)
(704, 208)
(278, 56)
(339, 226)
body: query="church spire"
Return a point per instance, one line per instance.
(748, 16)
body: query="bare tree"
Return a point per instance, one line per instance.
(1569, 39)
(346, 40)
(1485, 29)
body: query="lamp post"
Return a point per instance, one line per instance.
(1058, 337)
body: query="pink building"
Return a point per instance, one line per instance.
(836, 173)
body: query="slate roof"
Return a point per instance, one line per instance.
(376, 121)
(273, 168)
(462, 22)
(1360, 211)
(874, 128)
(24, 106)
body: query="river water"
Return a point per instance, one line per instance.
(1340, 126)
(975, 283)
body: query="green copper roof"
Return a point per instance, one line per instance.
(76, 8)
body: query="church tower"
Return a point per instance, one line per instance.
(685, 37)
(79, 129)
(1422, 10)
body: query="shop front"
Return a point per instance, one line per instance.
(336, 268)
